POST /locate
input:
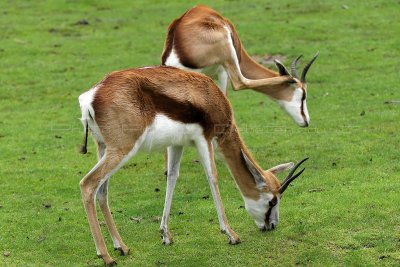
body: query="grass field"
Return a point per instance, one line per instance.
(343, 211)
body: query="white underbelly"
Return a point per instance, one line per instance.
(164, 132)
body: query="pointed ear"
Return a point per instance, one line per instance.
(281, 167)
(282, 70)
(258, 178)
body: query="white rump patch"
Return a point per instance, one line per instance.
(173, 61)
(88, 114)
(85, 103)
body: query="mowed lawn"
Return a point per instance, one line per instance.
(343, 211)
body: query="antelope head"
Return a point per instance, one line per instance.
(295, 102)
(265, 210)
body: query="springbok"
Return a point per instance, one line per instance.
(204, 41)
(155, 108)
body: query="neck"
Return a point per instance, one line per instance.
(231, 146)
(252, 70)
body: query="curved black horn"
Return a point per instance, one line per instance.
(307, 67)
(291, 177)
(294, 70)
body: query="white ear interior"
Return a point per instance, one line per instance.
(281, 167)
(258, 178)
(282, 70)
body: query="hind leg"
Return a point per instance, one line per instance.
(102, 197)
(90, 185)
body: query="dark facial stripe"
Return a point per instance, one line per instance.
(303, 98)
(272, 204)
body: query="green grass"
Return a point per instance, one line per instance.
(343, 211)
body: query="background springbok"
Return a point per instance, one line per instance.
(155, 108)
(202, 40)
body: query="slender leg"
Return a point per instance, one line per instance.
(102, 197)
(223, 80)
(166, 164)
(206, 154)
(174, 160)
(90, 184)
(232, 66)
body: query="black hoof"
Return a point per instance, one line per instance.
(113, 263)
(123, 253)
(234, 242)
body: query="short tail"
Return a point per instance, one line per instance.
(83, 149)
(85, 103)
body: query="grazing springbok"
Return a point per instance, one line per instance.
(158, 108)
(204, 41)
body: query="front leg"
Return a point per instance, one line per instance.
(206, 153)
(174, 160)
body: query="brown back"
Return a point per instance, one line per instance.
(197, 36)
(188, 97)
